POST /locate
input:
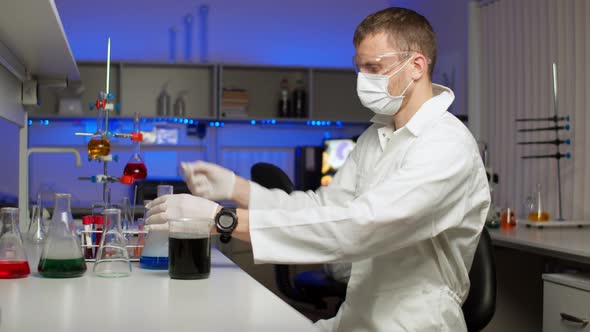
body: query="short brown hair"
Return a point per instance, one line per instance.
(408, 31)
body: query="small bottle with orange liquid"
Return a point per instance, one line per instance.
(537, 212)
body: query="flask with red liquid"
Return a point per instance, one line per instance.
(508, 220)
(135, 167)
(13, 259)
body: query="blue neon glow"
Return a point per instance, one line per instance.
(253, 122)
(273, 121)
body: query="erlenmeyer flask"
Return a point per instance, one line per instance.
(112, 258)
(538, 209)
(35, 237)
(13, 259)
(62, 253)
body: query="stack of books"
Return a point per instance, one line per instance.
(234, 103)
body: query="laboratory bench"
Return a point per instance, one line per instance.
(542, 273)
(229, 300)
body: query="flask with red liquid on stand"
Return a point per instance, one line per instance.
(135, 167)
(13, 259)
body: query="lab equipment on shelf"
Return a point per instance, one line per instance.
(540, 214)
(13, 258)
(62, 256)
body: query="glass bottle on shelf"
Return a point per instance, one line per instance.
(62, 253)
(135, 167)
(99, 145)
(13, 259)
(112, 258)
(284, 109)
(299, 99)
(537, 210)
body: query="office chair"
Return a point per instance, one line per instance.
(310, 286)
(480, 305)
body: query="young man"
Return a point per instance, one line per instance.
(406, 209)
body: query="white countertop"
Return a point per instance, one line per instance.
(569, 243)
(229, 300)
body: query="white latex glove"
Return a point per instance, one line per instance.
(209, 180)
(170, 207)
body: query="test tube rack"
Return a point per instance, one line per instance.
(558, 123)
(134, 247)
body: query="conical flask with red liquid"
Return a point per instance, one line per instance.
(13, 259)
(135, 167)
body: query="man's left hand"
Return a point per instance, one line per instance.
(170, 207)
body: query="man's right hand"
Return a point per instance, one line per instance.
(209, 180)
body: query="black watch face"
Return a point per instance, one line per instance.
(226, 221)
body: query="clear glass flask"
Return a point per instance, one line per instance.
(112, 258)
(35, 237)
(62, 253)
(537, 208)
(99, 145)
(13, 259)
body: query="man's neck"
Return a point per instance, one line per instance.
(421, 94)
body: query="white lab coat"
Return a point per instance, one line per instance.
(406, 208)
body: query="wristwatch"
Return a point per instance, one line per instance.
(226, 221)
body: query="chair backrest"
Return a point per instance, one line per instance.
(480, 305)
(272, 177)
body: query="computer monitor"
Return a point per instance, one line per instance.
(335, 153)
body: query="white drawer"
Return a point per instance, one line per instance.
(565, 308)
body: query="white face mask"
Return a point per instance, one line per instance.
(373, 93)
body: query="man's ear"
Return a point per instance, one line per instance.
(419, 67)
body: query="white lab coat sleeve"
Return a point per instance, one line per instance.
(409, 205)
(340, 190)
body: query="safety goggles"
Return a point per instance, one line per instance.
(381, 64)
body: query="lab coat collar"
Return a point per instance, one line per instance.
(432, 109)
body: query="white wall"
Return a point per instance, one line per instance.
(449, 19)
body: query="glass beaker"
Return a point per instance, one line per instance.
(13, 259)
(155, 251)
(154, 255)
(537, 207)
(190, 248)
(112, 258)
(62, 253)
(164, 189)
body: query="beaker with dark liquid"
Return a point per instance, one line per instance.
(189, 248)
(13, 259)
(62, 253)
